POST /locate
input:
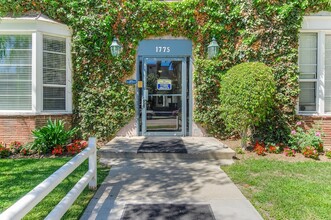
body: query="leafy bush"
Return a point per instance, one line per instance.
(300, 139)
(58, 150)
(51, 135)
(239, 150)
(310, 152)
(4, 151)
(274, 149)
(289, 152)
(76, 146)
(247, 95)
(328, 154)
(275, 128)
(15, 147)
(259, 148)
(207, 77)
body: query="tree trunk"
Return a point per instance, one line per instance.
(244, 139)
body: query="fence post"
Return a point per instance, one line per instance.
(92, 142)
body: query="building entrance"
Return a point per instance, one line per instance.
(164, 101)
(164, 96)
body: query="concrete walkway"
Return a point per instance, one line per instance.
(141, 181)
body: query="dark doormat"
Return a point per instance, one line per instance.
(162, 146)
(167, 212)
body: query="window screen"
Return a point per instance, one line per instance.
(54, 73)
(15, 72)
(308, 71)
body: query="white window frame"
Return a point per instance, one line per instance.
(68, 86)
(320, 25)
(38, 27)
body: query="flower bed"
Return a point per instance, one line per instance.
(16, 149)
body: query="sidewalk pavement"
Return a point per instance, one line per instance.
(139, 181)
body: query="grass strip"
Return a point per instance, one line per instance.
(19, 176)
(285, 190)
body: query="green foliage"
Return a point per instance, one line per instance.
(51, 135)
(279, 188)
(15, 147)
(239, 150)
(207, 77)
(247, 95)
(300, 138)
(4, 151)
(310, 152)
(242, 30)
(19, 176)
(328, 154)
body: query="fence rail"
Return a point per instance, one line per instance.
(30, 200)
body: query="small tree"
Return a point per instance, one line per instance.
(246, 94)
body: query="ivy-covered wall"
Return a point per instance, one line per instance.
(253, 30)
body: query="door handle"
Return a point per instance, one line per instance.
(144, 103)
(145, 98)
(145, 94)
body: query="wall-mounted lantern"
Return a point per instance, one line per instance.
(213, 49)
(241, 55)
(115, 48)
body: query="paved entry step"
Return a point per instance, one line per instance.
(197, 148)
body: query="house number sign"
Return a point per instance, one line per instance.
(162, 49)
(165, 47)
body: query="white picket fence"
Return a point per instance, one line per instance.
(30, 200)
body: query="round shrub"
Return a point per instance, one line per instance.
(247, 95)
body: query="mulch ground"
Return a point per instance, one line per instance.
(235, 143)
(37, 156)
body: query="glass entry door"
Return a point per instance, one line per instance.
(163, 96)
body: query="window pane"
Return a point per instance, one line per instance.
(11, 88)
(54, 72)
(327, 103)
(308, 55)
(308, 40)
(54, 61)
(15, 72)
(54, 44)
(54, 98)
(15, 102)
(16, 41)
(307, 96)
(53, 76)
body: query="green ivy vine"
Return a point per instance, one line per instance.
(255, 30)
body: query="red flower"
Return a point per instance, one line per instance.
(23, 151)
(76, 146)
(310, 152)
(57, 150)
(272, 149)
(259, 148)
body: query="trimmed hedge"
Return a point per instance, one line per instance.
(247, 96)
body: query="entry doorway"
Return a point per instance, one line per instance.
(164, 96)
(164, 89)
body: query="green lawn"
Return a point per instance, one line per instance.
(285, 190)
(19, 176)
